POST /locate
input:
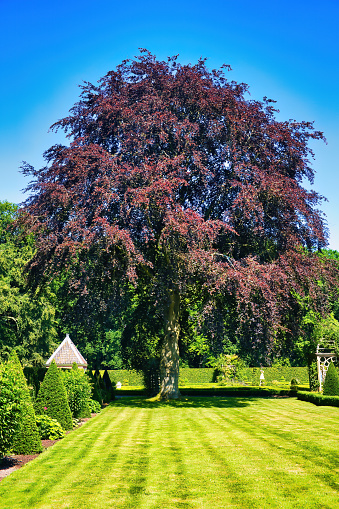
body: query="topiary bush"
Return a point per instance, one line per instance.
(294, 384)
(26, 440)
(52, 398)
(331, 384)
(79, 391)
(49, 429)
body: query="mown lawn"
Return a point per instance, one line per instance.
(201, 453)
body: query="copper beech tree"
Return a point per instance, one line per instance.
(173, 178)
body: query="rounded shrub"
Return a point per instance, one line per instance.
(94, 406)
(331, 384)
(52, 398)
(294, 384)
(49, 428)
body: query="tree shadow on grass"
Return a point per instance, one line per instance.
(184, 402)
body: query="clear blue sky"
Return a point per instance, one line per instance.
(285, 50)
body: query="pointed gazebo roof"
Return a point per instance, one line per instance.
(66, 354)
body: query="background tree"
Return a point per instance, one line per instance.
(174, 179)
(27, 322)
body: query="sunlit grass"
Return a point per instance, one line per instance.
(204, 453)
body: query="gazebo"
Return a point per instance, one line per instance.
(66, 354)
(325, 355)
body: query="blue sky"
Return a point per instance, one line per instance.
(285, 50)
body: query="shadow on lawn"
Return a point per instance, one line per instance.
(184, 402)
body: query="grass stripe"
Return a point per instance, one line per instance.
(201, 453)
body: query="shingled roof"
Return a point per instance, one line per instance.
(66, 354)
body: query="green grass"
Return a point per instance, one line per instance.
(206, 453)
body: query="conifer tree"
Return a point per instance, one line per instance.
(52, 398)
(331, 384)
(27, 438)
(108, 387)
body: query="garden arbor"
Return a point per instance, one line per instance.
(173, 180)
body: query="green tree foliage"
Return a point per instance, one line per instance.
(27, 322)
(52, 398)
(27, 438)
(12, 394)
(79, 391)
(331, 384)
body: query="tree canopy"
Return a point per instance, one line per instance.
(176, 183)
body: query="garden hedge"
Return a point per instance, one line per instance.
(318, 399)
(239, 392)
(207, 375)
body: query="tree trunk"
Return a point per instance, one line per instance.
(169, 361)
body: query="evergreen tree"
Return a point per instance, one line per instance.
(331, 384)
(52, 398)
(108, 387)
(27, 438)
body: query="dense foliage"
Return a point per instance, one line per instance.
(177, 184)
(79, 391)
(26, 439)
(49, 429)
(52, 398)
(27, 322)
(12, 393)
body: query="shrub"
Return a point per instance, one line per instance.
(94, 406)
(11, 394)
(26, 439)
(331, 384)
(294, 384)
(52, 398)
(49, 428)
(79, 391)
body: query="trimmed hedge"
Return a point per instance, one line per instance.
(239, 392)
(318, 399)
(207, 375)
(134, 378)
